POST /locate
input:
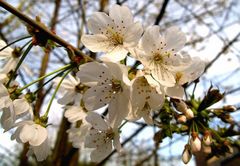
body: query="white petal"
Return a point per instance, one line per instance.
(67, 98)
(96, 43)
(7, 119)
(96, 121)
(40, 136)
(121, 15)
(101, 152)
(164, 77)
(175, 92)
(156, 100)
(97, 97)
(10, 65)
(133, 34)
(92, 73)
(42, 151)
(150, 40)
(7, 52)
(118, 109)
(175, 39)
(74, 114)
(99, 22)
(27, 133)
(5, 100)
(115, 55)
(21, 106)
(94, 139)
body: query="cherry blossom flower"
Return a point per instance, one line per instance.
(113, 34)
(195, 67)
(159, 53)
(109, 86)
(34, 134)
(146, 96)
(101, 137)
(8, 55)
(70, 88)
(182, 107)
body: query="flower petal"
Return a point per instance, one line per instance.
(74, 114)
(115, 55)
(98, 96)
(175, 39)
(96, 121)
(101, 152)
(96, 43)
(94, 139)
(175, 92)
(40, 135)
(99, 22)
(92, 73)
(121, 15)
(133, 35)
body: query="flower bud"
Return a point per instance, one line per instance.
(195, 142)
(206, 149)
(229, 108)
(189, 113)
(182, 119)
(207, 138)
(186, 155)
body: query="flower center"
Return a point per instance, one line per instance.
(116, 86)
(178, 76)
(158, 58)
(115, 37)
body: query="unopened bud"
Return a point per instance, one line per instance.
(227, 118)
(195, 142)
(229, 108)
(189, 113)
(16, 53)
(207, 138)
(182, 119)
(186, 155)
(206, 149)
(182, 107)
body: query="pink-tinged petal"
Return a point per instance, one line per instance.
(96, 121)
(121, 15)
(175, 92)
(93, 73)
(97, 97)
(175, 39)
(99, 22)
(96, 43)
(101, 152)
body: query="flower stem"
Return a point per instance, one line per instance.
(40, 78)
(26, 37)
(19, 63)
(54, 94)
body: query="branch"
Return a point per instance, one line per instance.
(36, 25)
(161, 12)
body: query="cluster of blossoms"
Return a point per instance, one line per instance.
(125, 93)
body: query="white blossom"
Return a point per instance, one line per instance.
(70, 90)
(195, 67)
(5, 100)
(113, 34)
(146, 96)
(10, 59)
(102, 136)
(109, 86)
(74, 113)
(41, 152)
(159, 53)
